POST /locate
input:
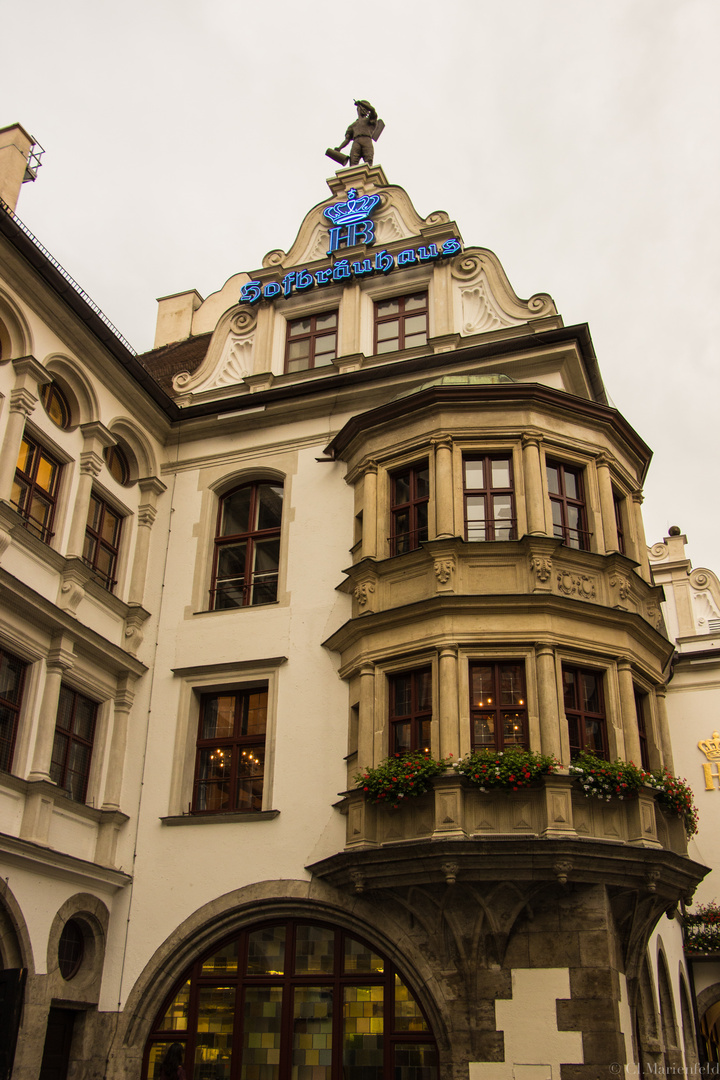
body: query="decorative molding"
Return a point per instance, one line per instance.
(363, 591)
(623, 586)
(580, 585)
(444, 568)
(541, 566)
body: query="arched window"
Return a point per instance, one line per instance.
(56, 405)
(247, 546)
(294, 1000)
(118, 464)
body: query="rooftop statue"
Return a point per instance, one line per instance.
(366, 129)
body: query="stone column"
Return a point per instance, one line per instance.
(629, 713)
(366, 718)
(548, 701)
(607, 503)
(59, 660)
(29, 376)
(444, 489)
(116, 759)
(369, 533)
(97, 438)
(665, 740)
(534, 486)
(349, 329)
(641, 554)
(150, 487)
(448, 700)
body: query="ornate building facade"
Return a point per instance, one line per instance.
(361, 501)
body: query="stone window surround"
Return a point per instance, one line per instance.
(208, 679)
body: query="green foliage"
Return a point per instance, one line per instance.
(621, 779)
(402, 776)
(702, 929)
(513, 768)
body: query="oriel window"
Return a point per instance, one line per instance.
(585, 711)
(34, 490)
(311, 342)
(230, 764)
(489, 498)
(401, 322)
(410, 711)
(567, 500)
(409, 512)
(498, 705)
(247, 547)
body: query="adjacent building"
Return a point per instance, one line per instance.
(362, 500)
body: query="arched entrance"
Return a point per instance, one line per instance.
(294, 999)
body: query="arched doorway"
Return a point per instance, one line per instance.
(294, 999)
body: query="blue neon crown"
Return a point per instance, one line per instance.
(352, 211)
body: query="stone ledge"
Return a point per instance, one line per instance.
(220, 819)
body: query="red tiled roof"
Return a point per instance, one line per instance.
(169, 360)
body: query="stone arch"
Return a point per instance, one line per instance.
(15, 946)
(15, 335)
(689, 1036)
(239, 910)
(671, 1042)
(246, 475)
(77, 388)
(708, 1010)
(138, 450)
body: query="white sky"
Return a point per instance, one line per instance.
(578, 139)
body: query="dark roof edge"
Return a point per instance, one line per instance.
(65, 288)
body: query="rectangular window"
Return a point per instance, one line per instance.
(568, 505)
(642, 729)
(489, 499)
(311, 342)
(401, 323)
(73, 745)
(410, 711)
(12, 678)
(409, 510)
(585, 711)
(102, 537)
(498, 705)
(230, 762)
(618, 506)
(34, 490)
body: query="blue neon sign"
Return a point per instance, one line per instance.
(351, 223)
(344, 270)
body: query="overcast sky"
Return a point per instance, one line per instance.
(578, 139)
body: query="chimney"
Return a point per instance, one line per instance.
(19, 162)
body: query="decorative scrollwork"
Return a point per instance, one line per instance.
(541, 304)
(465, 267)
(438, 217)
(243, 322)
(541, 567)
(659, 551)
(700, 579)
(444, 568)
(274, 257)
(622, 584)
(362, 592)
(181, 380)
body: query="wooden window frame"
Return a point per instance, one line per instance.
(416, 717)
(496, 710)
(251, 537)
(414, 507)
(618, 502)
(29, 480)
(640, 698)
(52, 396)
(13, 707)
(236, 744)
(60, 768)
(577, 716)
(575, 538)
(95, 537)
(488, 493)
(117, 463)
(313, 335)
(401, 317)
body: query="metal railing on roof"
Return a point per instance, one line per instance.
(70, 280)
